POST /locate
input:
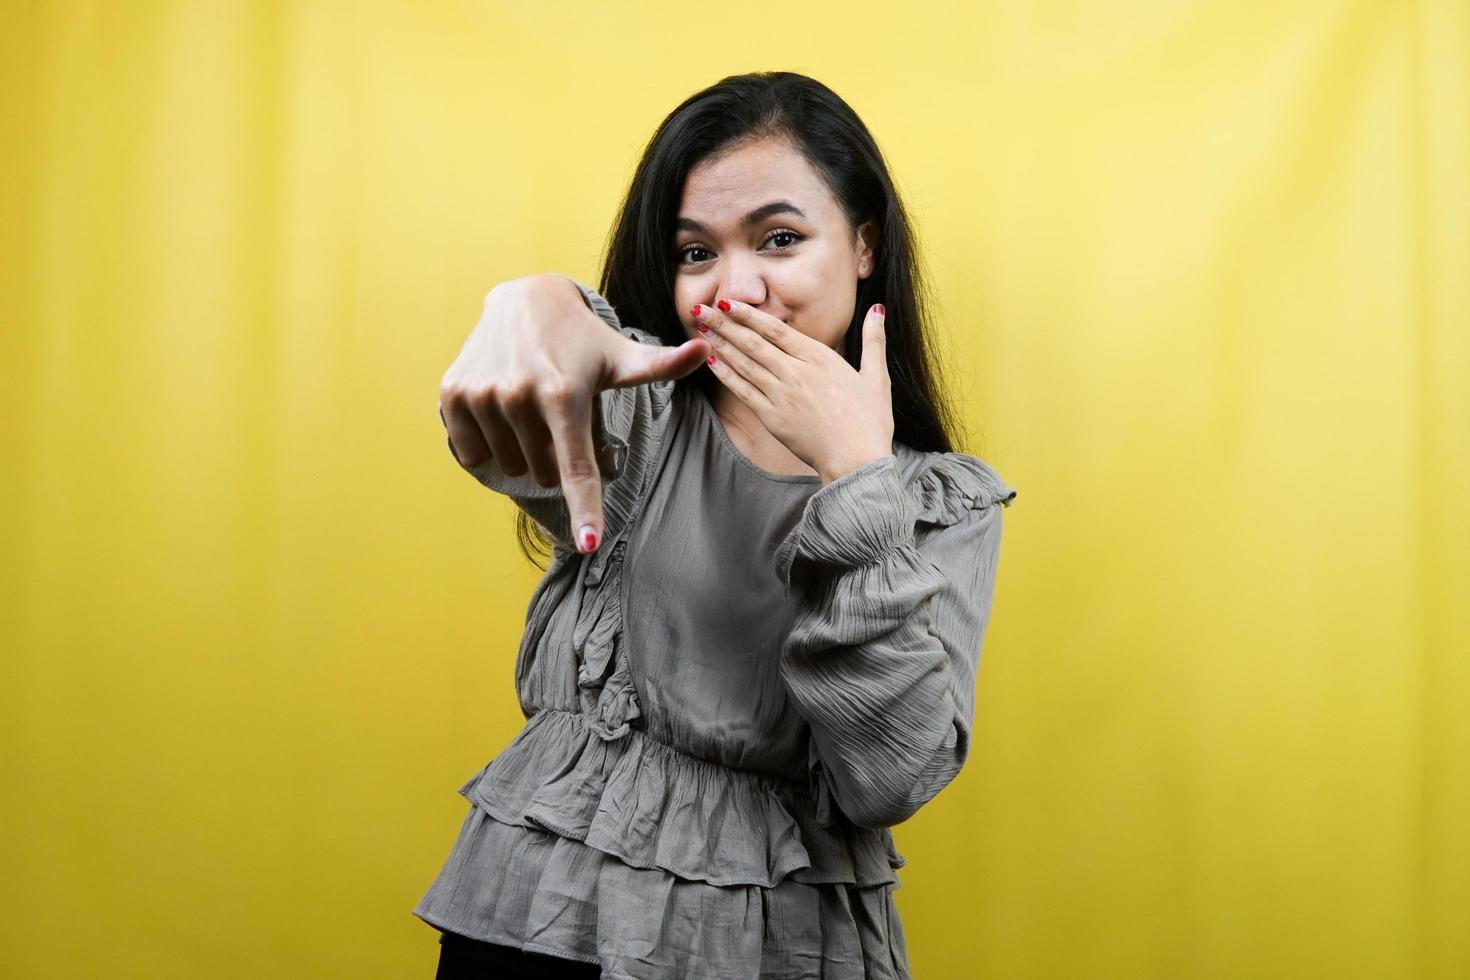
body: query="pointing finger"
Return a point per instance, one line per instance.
(570, 418)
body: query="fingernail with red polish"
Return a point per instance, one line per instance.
(587, 539)
(881, 310)
(724, 305)
(696, 311)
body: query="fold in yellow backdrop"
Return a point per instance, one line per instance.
(1205, 279)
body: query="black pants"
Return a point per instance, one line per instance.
(463, 958)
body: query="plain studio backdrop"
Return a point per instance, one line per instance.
(1203, 292)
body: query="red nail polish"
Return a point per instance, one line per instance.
(710, 361)
(724, 305)
(696, 310)
(703, 328)
(881, 310)
(589, 540)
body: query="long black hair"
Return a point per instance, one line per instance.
(640, 265)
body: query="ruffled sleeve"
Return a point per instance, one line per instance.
(627, 416)
(896, 575)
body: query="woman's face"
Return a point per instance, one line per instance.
(797, 258)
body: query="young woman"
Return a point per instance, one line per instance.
(757, 650)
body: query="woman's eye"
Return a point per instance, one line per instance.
(784, 234)
(687, 254)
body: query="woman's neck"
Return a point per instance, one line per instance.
(755, 442)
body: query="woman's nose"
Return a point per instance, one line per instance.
(742, 284)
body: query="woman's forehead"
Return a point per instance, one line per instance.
(726, 189)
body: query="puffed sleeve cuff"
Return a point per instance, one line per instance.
(859, 518)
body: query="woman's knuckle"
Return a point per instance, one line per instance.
(578, 468)
(559, 391)
(515, 395)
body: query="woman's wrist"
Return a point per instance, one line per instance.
(833, 470)
(539, 287)
(541, 296)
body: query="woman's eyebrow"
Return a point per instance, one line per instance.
(755, 217)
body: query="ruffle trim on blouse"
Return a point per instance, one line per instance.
(953, 483)
(604, 678)
(654, 807)
(545, 893)
(862, 516)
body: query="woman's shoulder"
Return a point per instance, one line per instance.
(947, 484)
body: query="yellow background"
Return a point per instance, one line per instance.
(1205, 276)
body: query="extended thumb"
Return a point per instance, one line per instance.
(875, 341)
(638, 362)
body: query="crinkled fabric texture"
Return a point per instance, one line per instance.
(657, 865)
(703, 792)
(547, 893)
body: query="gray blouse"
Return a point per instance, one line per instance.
(704, 787)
